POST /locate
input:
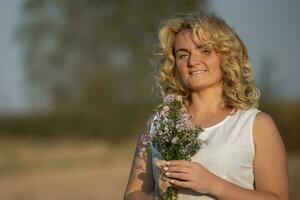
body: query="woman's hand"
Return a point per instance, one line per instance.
(191, 175)
(163, 184)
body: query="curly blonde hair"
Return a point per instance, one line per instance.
(239, 91)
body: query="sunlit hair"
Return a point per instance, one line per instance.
(239, 91)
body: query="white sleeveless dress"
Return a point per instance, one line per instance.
(229, 152)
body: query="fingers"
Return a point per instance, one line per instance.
(177, 169)
(166, 181)
(185, 163)
(175, 173)
(163, 185)
(176, 182)
(162, 181)
(160, 163)
(181, 163)
(179, 176)
(180, 184)
(178, 166)
(179, 173)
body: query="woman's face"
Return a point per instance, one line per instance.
(198, 66)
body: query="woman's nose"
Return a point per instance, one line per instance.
(194, 60)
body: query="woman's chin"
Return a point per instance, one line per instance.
(196, 88)
(196, 85)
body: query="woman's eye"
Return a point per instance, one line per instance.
(206, 51)
(182, 56)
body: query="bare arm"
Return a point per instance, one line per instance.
(270, 166)
(140, 185)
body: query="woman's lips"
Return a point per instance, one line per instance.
(198, 72)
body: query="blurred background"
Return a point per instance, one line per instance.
(76, 87)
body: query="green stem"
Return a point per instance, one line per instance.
(170, 194)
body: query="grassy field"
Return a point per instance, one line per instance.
(76, 170)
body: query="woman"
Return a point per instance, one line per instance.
(205, 62)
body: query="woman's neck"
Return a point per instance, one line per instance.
(207, 103)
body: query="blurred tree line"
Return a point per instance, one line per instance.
(88, 63)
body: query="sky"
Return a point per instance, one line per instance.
(12, 78)
(270, 29)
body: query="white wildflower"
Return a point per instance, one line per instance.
(166, 108)
(164, 114)
(153, 131)
(169, 98)
(160, 132)
(179, 98)
(180, 127)
(175, 139)
(166, 129)
(166, 121)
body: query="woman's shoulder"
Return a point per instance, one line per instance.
(265, 130)
(264, 121)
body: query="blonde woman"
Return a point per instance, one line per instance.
(204, 61)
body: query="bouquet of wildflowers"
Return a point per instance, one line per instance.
(172, 135)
